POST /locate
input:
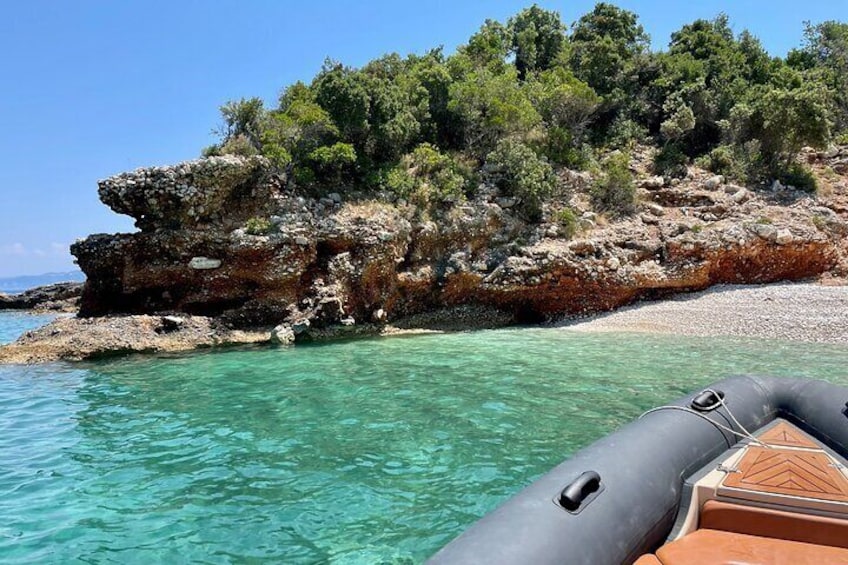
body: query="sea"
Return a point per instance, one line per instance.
(376, 450)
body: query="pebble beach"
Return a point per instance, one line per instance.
(805, 312)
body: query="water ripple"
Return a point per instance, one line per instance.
(374, 451)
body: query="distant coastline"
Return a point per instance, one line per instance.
(16, 285)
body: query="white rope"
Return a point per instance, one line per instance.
(743, 434)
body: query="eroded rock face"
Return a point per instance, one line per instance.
(189, 194)
(323, 263)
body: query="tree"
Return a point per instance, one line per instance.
(290, 134)
(491, 107)
(824, 56)
(537, 37)
(343, 93)
(431, 74)
(605, 44)
(488, 47)
(783, 120)
(709, 71)
(566, 105)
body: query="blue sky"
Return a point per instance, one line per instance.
(91, 88)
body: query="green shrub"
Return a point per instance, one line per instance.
(614, 191)
(841, 138)
(257, 226)
(742, 163)
(426, 177)
(211, 150)
(559, 148)
(517, 171)
(624, 133)
(670, 161)
(568, 222)
(328, 165)
(799, 176)
(239, 145)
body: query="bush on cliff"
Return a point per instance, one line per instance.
(329, 166)
(517, 171)
(427, 176)
(568, 222)
(614, 191)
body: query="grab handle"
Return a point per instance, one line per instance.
(579, 490)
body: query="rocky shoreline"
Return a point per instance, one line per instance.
(230, 248)
(59, 297)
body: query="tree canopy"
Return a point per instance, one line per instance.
(531, 94)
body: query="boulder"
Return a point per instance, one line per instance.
(653, 182)
(282, 335)
(783, 237)
(713, 183)
(301, 326)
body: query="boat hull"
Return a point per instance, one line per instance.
(642, 467)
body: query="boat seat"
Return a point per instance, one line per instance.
(714, 547)
(648, 559)
(766, 522)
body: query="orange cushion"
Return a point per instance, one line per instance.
(765, 522)
(647, 559)
(712, 547)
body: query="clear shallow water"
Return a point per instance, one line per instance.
(13, 324)
(373, 451)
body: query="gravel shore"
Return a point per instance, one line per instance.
(797, 312)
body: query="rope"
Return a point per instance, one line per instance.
(745, 434)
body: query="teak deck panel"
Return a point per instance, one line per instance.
(807, 474)
(788, 435)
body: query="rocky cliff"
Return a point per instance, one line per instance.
(223, 237)
(225, 251)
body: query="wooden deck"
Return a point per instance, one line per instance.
(794, 465)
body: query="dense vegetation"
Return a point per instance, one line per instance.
(528, 96)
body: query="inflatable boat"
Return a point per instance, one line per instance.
(750, 470)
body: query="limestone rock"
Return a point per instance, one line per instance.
(783, 237)
(741, 196)
(656, 209)
(186, 194)
(713, 183)
(301, 326)
(172, 323)
(61, 297)
(282, 335)
(653, 182)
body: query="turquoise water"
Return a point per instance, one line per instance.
(371, 451)
(13, 324)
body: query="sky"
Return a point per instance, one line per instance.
(90, 88)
